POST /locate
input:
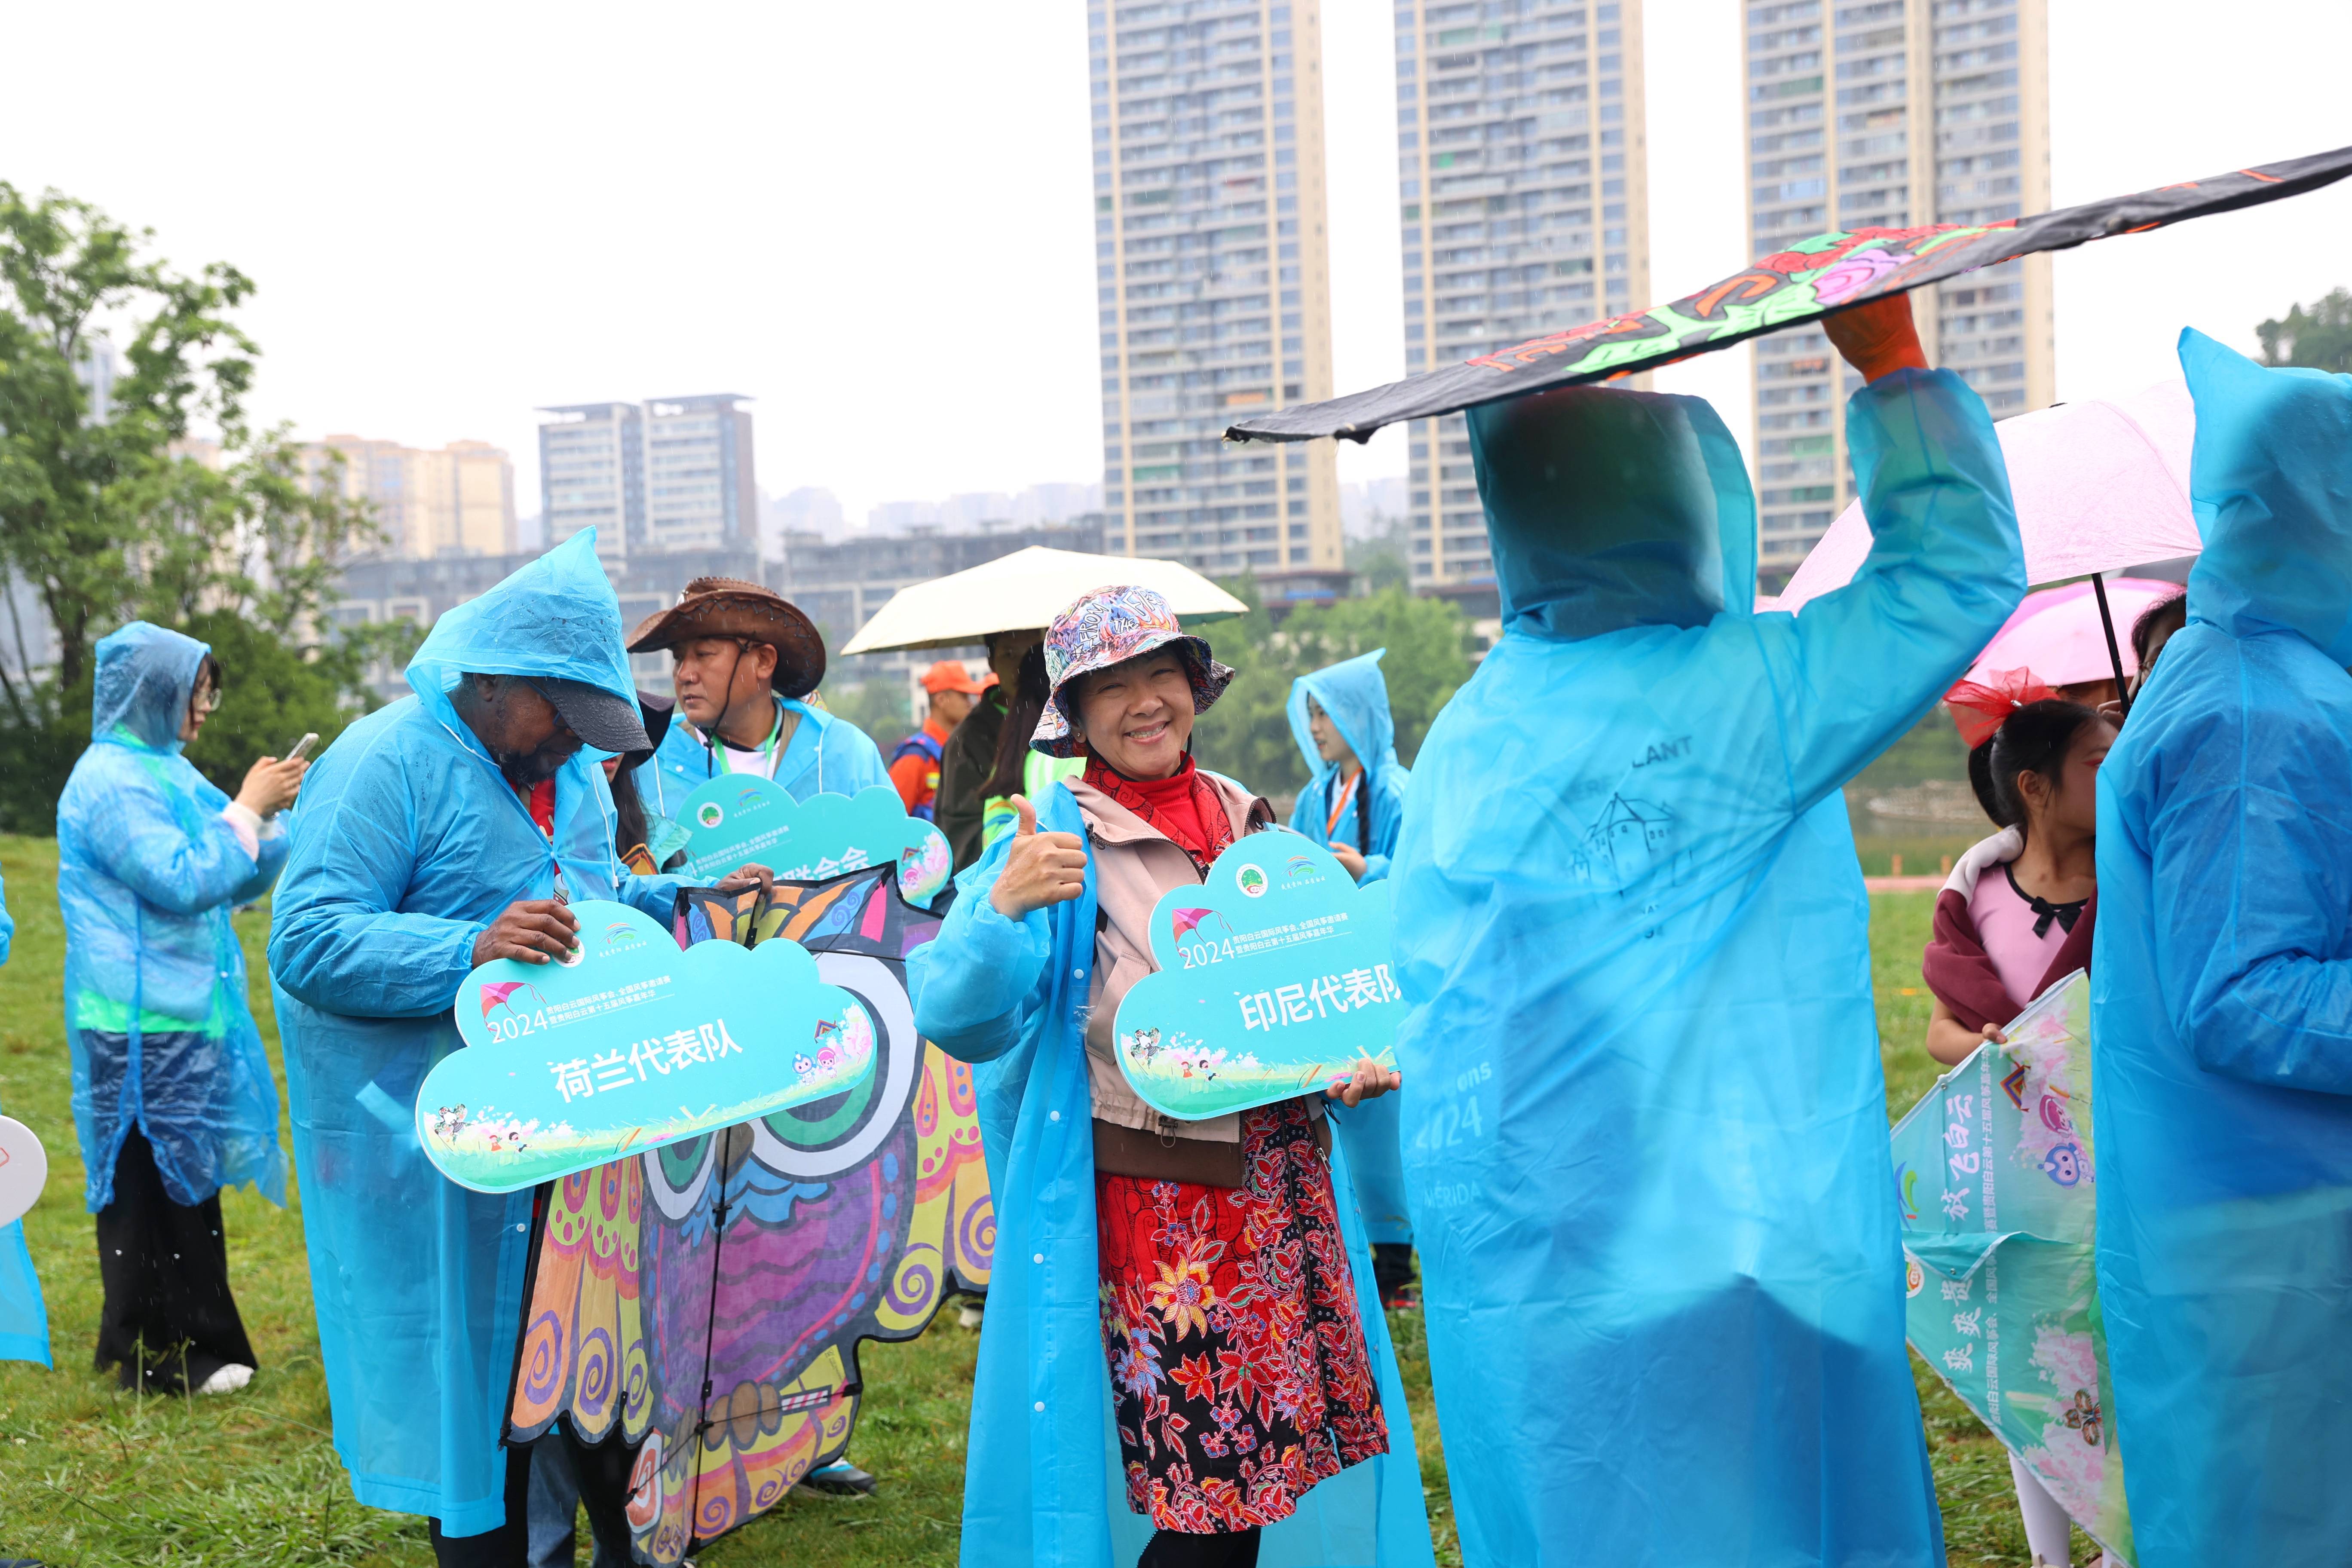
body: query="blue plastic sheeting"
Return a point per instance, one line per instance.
(1356, 698)
(7, 924)
(155, 1005)
(1041, 1479)
(2221, 1001)
(1645, 1123)
(407, 844)
(826, 755)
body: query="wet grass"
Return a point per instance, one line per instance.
(92, 1476)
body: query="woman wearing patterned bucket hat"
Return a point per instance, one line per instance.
(1205, 1267)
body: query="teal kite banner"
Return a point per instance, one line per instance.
(628, 1046)
(1274, 979)
(1997, 1188)
(739, 817)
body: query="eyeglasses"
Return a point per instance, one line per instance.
(206, 700)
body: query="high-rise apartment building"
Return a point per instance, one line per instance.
(1213, 278)
(1524, 183)
(675, 473)
(457, 500)
(1891, 113)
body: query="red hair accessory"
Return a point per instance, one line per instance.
(1979, 707)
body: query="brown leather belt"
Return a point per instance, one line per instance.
(1154, 1157)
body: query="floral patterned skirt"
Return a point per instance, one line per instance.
(1239, 1373)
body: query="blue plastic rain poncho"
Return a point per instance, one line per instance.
(1353, 693)
(1041, 1477)
(407, 844)
(826, 755)
(1645, 1123)
(2221, 1001)
(155, 1004)
(24, 1318)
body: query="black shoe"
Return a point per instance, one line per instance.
(840, 1478)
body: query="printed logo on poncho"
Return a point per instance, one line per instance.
(709, 814)
(1915, 1278)
(1251, 879)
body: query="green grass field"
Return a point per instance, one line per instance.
(89, 1475)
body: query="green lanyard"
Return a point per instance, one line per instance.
(774, 741)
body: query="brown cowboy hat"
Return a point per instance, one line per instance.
(731, 607)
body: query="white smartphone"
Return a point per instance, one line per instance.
(302, 747)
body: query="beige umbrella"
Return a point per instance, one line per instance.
(1024, 592)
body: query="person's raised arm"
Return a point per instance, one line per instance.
(971, 985)
(126, 821)
(2251, 878)
(1946, 566)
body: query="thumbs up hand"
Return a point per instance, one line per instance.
(1043, 868)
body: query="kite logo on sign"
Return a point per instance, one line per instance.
(1300, 870)
(709, 814)
(620, 936)
(1252, 881)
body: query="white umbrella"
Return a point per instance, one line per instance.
(1024, 592)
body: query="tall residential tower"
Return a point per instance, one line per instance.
(672, 474)
(1212, 278)
(1524, 185)
(1891, 113)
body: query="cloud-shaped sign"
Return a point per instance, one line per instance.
(23, 1169)
(630, 1045)
(739, 817)
(1274, 980)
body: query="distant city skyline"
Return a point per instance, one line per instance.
(880, 374)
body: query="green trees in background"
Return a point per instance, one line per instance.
(110, 512)
(2318, 339)
(1247, 733)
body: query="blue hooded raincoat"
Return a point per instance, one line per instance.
(1357, 698)
(409, 843)
(2221, 1001)
(1042, 1483)
(1645, 1123)
(24, 1320)
(155, 1004)
(826, 755)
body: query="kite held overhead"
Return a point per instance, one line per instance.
(1828, 272)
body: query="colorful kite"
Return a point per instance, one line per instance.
(705, 1300)
(1800, 284)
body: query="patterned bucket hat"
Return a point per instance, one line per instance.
(1108, 627)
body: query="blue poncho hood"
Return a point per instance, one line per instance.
(1614, 508)
(1353, 693)
(557, 617)
(2277, 526)
(145, 676)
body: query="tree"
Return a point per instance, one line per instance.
(106, 513)
(2319, 338)
(1247, 733)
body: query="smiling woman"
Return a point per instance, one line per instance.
(1206, 1240)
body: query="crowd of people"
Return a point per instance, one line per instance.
(1633, 1162)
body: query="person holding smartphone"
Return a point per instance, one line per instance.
(172, 1097)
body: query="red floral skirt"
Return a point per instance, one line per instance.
(1238, 1368)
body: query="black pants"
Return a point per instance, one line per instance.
(169, 1321)
(1172, 1549)
(603, 1470)
(1391, 1269)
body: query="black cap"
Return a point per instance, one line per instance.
(601, 720)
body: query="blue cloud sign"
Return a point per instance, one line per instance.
(1274, 980)
(628, 1046)
(737, 817)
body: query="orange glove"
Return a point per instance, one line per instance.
(1878, 338)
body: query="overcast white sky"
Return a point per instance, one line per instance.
(875, 219)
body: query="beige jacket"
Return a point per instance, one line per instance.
(1134, 864)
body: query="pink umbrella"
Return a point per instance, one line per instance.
(2099, 487)
(2057, 633)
